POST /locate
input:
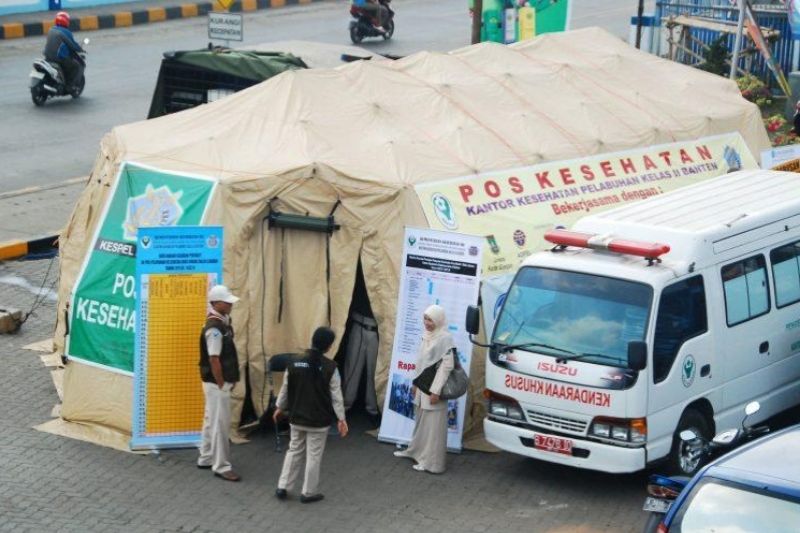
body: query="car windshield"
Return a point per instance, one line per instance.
(573, 314)
(717, 506)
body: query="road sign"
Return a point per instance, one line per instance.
(225, 26)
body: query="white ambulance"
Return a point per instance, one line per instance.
(668, 314)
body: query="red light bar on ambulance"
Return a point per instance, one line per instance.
(648, 250)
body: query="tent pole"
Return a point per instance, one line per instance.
(640, 14)
(738, 44)
(477, 21)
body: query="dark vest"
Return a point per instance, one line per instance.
(228, 357)
(310, 402)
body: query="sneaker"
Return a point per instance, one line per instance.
(418, 468)
(281, 494)
(400, 453)
(311, 498)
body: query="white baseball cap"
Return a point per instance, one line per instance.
(221, 293)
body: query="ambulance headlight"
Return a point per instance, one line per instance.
(619, 433)
(601, 430)
(632, 430)
(503, 406)
(498, 409)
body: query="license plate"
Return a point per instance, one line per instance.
(549, 443)
(656, 505)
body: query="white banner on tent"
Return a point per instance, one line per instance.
(439, 267)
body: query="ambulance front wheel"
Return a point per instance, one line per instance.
(685, 458)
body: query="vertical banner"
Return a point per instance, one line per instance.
(175, 267)
(510, 25)
(551, 15)
(793, 7)
(101, 311)
(440, 268)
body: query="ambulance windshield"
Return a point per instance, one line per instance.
(559, 312)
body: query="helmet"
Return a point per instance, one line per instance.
(62, 19)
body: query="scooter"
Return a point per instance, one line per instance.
(664, 490)
(47, 80)
(362, 27)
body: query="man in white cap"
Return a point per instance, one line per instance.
(219, 370)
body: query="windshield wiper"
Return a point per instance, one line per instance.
(579, 356)
(508, 347)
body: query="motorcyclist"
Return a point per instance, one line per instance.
(375, 10)
(63, 49)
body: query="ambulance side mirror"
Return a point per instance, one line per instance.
(637, 355)
(473, 319)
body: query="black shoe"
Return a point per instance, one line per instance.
(203, 467)
(374, 420)
(311, 499)
(281, 494)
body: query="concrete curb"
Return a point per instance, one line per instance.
(123, 19)
(43, 246)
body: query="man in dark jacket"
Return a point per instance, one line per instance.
(219, 370)
(312, 393)
(62, 48)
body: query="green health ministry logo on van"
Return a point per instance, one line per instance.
(688, 370)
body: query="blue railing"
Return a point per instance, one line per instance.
(768, 16)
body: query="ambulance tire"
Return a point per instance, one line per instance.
(681, 461)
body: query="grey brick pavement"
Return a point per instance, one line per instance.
(50, 483)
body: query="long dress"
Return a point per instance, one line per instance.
(428, 446)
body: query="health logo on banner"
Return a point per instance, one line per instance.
(175, 266)
(440, 268)
(513, 208)
(102, 315)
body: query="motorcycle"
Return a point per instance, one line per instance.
(664, 490)
(362, 26)
(47, 80)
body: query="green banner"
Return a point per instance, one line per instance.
(529, 18)
(101, 315)
(551, 16)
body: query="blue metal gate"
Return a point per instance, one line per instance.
(768, 16)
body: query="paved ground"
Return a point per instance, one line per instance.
(56, 484)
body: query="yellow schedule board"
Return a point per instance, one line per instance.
(177, 312)
(175, 267)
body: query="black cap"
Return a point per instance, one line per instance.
(322, 339)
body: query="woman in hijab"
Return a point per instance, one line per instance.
(428, 446)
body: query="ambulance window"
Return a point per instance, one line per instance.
(681, 316)
(786, 272)
(746, 294)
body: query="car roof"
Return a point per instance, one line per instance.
(767, 463)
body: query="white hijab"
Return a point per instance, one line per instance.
(436, 343)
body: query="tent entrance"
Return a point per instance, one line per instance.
(358, 351)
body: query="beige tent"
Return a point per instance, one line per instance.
(364, 134)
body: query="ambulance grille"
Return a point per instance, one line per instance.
(558, 422)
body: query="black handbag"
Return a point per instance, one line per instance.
(456, 384)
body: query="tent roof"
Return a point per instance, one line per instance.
(432, 115)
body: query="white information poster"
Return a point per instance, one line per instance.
(443, 268)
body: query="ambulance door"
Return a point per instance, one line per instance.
(683, 362)
(785, 267)
(747, 336)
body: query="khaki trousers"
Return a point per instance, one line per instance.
(308, 442)
(215, 446)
